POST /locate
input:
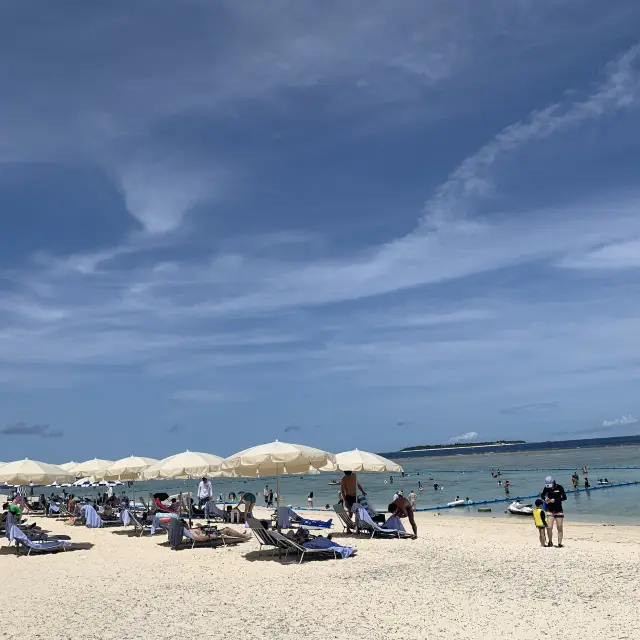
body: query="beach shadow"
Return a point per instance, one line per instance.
(77, 546)
(130, 533)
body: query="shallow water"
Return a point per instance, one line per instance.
(465, 476)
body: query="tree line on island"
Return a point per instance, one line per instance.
(461, 444)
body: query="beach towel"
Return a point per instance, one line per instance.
(364, 516)
(176, 531)
(393, 522)
(286, 515)
(162, 521)
(125, 517)
(325, 543)
(91, 517)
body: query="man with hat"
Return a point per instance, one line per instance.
(554, 495)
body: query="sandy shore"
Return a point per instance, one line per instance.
(463, 578)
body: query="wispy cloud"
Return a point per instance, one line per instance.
(203, 396)
(622, 421)
(535, 407)
(617, 255)
(31, 430)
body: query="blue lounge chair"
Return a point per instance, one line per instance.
(41, 546)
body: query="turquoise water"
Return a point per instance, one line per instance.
(465, 476)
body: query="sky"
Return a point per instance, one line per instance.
(362, 224)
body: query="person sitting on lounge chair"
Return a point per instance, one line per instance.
(401, 508)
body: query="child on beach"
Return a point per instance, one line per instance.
(540, 518)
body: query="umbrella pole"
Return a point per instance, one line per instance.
(278, 498)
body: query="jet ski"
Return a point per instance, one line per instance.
(519, 509)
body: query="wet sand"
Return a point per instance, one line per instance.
(463, 578)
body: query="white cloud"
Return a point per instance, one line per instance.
(622, 421)
(617, 255)
(471, 436)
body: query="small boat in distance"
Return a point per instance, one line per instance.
(334, 482)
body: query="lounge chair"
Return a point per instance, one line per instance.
(288, 519)
(41, 546)
(365, 523)
(138, 523)
(264, 537)
(348, 525)
(290, 546)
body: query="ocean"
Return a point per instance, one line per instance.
(465, 475)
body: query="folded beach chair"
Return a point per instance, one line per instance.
(215, 511)
(365, 523)
(21, 539)
(264, 537)
(138, 523)
(312, 547)
(348, 525)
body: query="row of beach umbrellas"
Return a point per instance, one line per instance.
(272, 459)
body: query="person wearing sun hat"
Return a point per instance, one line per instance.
(554, 495)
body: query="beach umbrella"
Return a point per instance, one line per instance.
(95, 467)
(24, 472)
(357, 460)
(127, 468)
(69, 466)
(189, 464)
(276, 459)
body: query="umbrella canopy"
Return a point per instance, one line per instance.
(357, 460)
(95, 467)
(22, 472)
(69, 466)
(128, 468)
(276, 458)
(189, 464)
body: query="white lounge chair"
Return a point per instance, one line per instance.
(348, 525)
(365, 523)
(290, 546)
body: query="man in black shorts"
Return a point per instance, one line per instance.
(349, 489)
(554, 495)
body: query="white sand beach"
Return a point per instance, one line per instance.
(463, 578)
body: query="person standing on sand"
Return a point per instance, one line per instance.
(265, 495)
(413, 499)
(349, 489)
(554, 495)
(310, 500)
(540, 519)
(205, 492)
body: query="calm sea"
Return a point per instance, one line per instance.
(467, 476)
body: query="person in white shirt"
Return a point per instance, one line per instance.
(205, 492)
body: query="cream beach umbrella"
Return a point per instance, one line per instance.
(275, 459)
(69, 466)
(129, 468)
(24, 472)
(189, 464)
(91, 468)
(364, 461)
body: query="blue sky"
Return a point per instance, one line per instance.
(351, 224)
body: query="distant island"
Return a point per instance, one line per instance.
(461, 445)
